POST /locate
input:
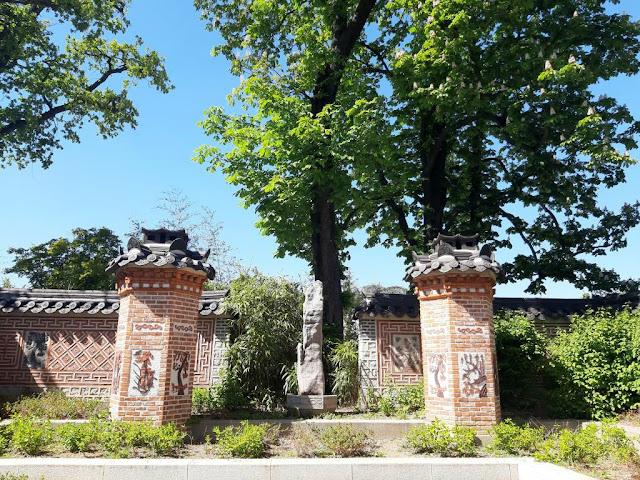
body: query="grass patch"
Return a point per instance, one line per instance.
(56, 405)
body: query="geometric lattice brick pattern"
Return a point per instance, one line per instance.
(399, 352)
(80, 353)
(367, 354)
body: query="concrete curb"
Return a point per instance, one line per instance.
(281, 469)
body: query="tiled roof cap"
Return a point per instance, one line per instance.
(162, 247)
(454, 252)
(17, 300)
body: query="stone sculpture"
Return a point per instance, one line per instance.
(310, 373)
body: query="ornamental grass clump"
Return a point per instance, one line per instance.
(438, 438)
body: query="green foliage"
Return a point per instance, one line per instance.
(516, 440)
(589, 445)
(438, 438)
(53, 80)
(522, 359)
(69, 264)
(226, 394)
(414, 118)
(11, 476)
(246, 441)
(5, 438)
(345, 441)
(266, 328)
(29, 435)
(397, 400)
(120, 438)
(305, 441)
(345, 369)
(79, 437)
(597, 364)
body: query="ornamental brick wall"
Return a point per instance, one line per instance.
(78, 352)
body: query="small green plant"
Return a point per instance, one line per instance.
(29, 435)
(438, 438)
(113, 437)
(227, 394)
(55, 404)
(396, 400)
(165, 440)
(305, 441)
(247, 441)
(12, 476)
(513, 439)
(345, 441)
(5, 439)
(79, 437)
(589, 446)
(344, 360)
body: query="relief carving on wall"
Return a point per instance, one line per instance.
(143, 379)
(180, 373)
(405, 353)
(473, 375)
(438, 379)
(36, 345)
(116, 373)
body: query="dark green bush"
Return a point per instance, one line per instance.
(227, 394)
(440, 439)
(247, 441)
(345, 441)
(597, 364)
(56, 405)
(266, 328)
(522, 360)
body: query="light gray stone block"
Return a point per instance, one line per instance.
(310, 370)
(306, 469)
(143, 469)
(391, 469)
(53, 468)
(309, 405)
(471, 469)
(542, 471)
(229, 470)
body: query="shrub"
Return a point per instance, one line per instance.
(12, 476)
(395, 400)
(589, 445)
(247, 441)
(438, 438)
(343, 359)
(266, 328)
(597, 364)
(345, 441)
(522, 359)
(226, 394)
(516, 440)
(5, 438)
(119, 438)
(29, 435)
(113, 437)
(55, 404)
(79, 437)
(164, 440)
(304, 441)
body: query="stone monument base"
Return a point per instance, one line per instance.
(312, 405)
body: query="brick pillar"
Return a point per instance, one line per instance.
(160, 283)
(455, 289)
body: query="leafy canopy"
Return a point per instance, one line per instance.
(59, 64)
(78, 263)
(450, 116)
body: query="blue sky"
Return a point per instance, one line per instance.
(107, 182)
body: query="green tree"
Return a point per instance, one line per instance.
(440, 116)
(78, 263)
(51, 87)
(291, 150)
(490, 125)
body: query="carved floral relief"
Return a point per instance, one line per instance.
(180, 373)
(473, 375)
(405, 353)
(144, 367)
(438, 379)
